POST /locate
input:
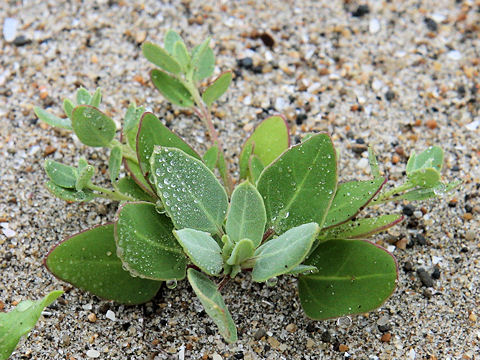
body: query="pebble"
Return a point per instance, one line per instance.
(92, 317)
(362, 10)
(454, 55)
(420, 239)
(408, 209)
(386, 337)
(93, 353)
(389, 95)
(362, 163)
(291, 328)
(310, 343)
(436, 273)
(260, 333)
(216, 357)
(10, 29)
(246, 63)
(9, 233)
(408, 266)
(110, 315)
(425, 277)
(470, 235)
(374, 26)
(431, 24)
(274, 343)
(21, 40)
(342, 348)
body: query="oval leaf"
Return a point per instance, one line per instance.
(159, 57)
(246, 217)
(282, 254)
(202, 249)
(19, 322)
(171, 37)
(136, 174)
(243, 250)
(217, 88)
(299, 186)
(203, 61)
(83, 96)
(114, 163)
(130, 124)
(61, 174)
(350, 198)
(88, 261)
(145, 243)
(52, 120)
(210, 157)
(69, 194)
(213, 303)
(181, 55)
(92, 127)
(429, 158)
(84, 176)
(191, 193)
(68, 107)
(353, 277)
(172, 89)
(128, 186)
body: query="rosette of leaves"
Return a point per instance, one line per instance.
(288, 215)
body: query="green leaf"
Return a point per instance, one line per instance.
(213, 303)
(191, 193)
(350, 198)
(96, 98)
(246, 217)
(83, 96)
(88, 261)
(153, 133)
(128, 186)
(135, 173)
(92, 127)
(172, 89)
(227, 248)
(427, 178)
(282, 254)
(171, 37)
(210, 157)
(361, 228)
(159, 57)
(302, 270)
(114, 163)
(217, 88)
(244, 162)
(131, 121)
(353, 277)
(269, 140)
(222, 168)
(61, 174)
(243, 250)
(429, 158)
(256, 167)
(69, 194)
(300, 185)
(19, 322)
(203, 61)
(68, 107)
(52, 120)
(146, 245)
(423, 194)
(372, 159)
(82, 163)
(84, 177)
(181, 54)
(202, 249)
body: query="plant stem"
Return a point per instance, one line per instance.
(127, 152)
(387, 196)
(108, 194)
(224, 282)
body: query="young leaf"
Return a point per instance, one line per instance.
(135, 173)
(243, 250)
(244, 162)
(92, 127)
(151, 133)
(88, 261)
(114, 163)
(256, 167)
(62, 175)
(353, 277)
(69, 194)
(83, 96)
(52, 120)
(429, 158)
(145, 243)
(203, 61)
(350, 198)
(246, 217)
(423, 194)
(96, 98)
(362, 228)
(128, 186)
(180, 53)
(192, 195)
(202, 249)
(210, 157)
(68, 107)
(159, 57)
(227, 248)
(217, 88)
(172, 89)
(300, 185)
(270, 139)
(222, 169)
(19, 322)
(282, 254)
(84, 177)
(131, 121)
(372, 159)
(427, 178)
(171, 37)
(213, 303)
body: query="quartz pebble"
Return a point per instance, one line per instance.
(10, 29)
(93, 354)
(110, 315)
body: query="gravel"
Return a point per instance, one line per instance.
(327, 60)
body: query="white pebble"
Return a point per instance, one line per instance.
(411, 354)
(473, 125)
(377, 85)
(93, 353)
(87, 307)
(438, 17)
(454, 55)
(9, 233)
(374, 26)
(436, 259)
(110, 315)
(280, 104)
(362, 163)
(10, 29)
(216, 357)
(391, 248)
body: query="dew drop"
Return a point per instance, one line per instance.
(171, 284)
(344, 322)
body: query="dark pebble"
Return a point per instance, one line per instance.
(457, 260)
(238, 355)
(266, 347)
(8, 256)
(326, 337)
(455, 168)
(360, 141)
(209, 330)
(104, 308)
(464, 250)
(172, 338)
(408, 210)
(358, 149)
(408, 266)
(163, 322)
(300, 119)
(425, 277)
(246, 63)
(389, 95)
(350, 134)
(362, 10)
(260, 333)
(468, 208)
(126, 326)
(384, 328)
(257, 69)
(461, 91)
(436, 273)
(452, 203)
(21, 40)
(427, 293)
(431, 24)
(420, 240)
(311, 327)
(267, 40)
(331, 104)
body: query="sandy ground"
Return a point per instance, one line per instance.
(401, 76)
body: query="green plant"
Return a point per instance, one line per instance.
(289, 215)
(20, 321)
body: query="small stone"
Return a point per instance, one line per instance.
(386, 337)
(467, 216)
(65, 340)
(362, 10)
(342, 348)
(427, 293)
(291, 328)
(408, 209)
(436, 273)
(408, 266)
(49, 150)
(21, 40)
(470, 235)
(326, 337)
(311, 327)
(310, 343)
(9, 233)
(216, 356)
(382, 321)
(92, 317)
(389, 95)
(110, 315)
(93, 353)
(10, 29)
(246, 63)
(300, 119)
(425, 277)
(274, 343)
(260, 333)
(472, 317)
(239, 355)
(374, 26)
(454, 55)
(402, 243)
(362, 163)
(420, 240)
(431, 24)
(395, 159)
(431, 124)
